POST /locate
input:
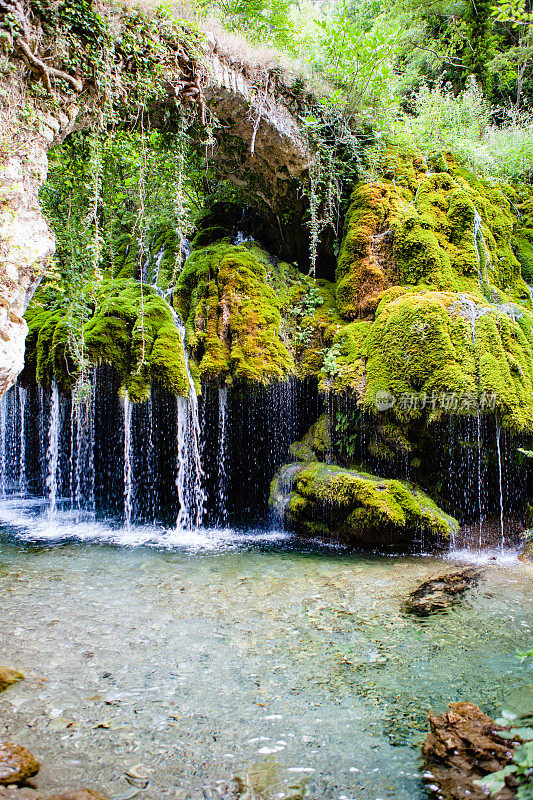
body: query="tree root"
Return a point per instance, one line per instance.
(40, 68)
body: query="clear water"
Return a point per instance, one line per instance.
(203, 654)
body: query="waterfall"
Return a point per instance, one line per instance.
(81, 461)
(52, 454)
(21, 393)
(128, 460)
(190, 473)
(479, 506)
(498, 451)
(482, 253)
(222, 453)
(3, 419)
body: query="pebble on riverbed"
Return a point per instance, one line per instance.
(16, 764)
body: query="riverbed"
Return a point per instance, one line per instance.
(209, 654)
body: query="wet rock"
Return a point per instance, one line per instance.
(9, 676)
(348, 505)
(16, 764)
(438, 594)
(463, 746)
(77, 794)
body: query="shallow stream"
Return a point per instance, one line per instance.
(208, 654)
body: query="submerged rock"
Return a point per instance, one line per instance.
(463, 746)
(16, 764)
(325, 500)
(9, 676)
(438, 594)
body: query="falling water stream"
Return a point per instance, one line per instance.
(128, 465)
(500, 484)
(52, 455)
(223, 453)
(190, 472)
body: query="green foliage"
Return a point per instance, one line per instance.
(265, 21)
(359, 58)
(521, 769)
(462, 124)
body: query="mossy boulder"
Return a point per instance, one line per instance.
(328, 501)
(316, 444)
(438, 352)
(445, 230)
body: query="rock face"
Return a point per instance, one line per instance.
(438, 594)
(16, 764)
(26, 241)
(328, 501)
(8, 677)
(463, 746)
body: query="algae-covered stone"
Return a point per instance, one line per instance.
(345, 504)
(9, 676)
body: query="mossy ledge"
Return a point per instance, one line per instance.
(250, 317)
(328, 501)
(135, 333)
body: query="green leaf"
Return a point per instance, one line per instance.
(496, 780)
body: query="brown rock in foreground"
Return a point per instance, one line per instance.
(16, 764)
(462, 747)
(438, 594)
(25, 793)
(9, 676)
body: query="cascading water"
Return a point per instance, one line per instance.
(222, 453)
(190, 473)
(3, 420)
(500, 483)
(128, 462)
(21, 393)
(52, 455)
(479, 479)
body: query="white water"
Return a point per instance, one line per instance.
(52, 454)
(128, 471)
(3, 417)
(190, 473)
(222, 453)
(22, 438)
(478, 237)
(498, 450)
(479, 504)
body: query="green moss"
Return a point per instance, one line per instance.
(316, 444)
(355, 506)
(237, 306)
(143, 347)
(422, 345)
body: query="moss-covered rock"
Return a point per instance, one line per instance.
(316, 444)
(325, 500)
(135, 332)
(439, 352)
(252, 318)
(445, 230)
